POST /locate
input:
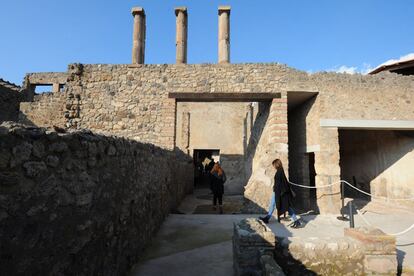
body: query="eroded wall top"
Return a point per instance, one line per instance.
(133, 100)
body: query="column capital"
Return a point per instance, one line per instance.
(180, 9)
(137, 10)
(222, 9)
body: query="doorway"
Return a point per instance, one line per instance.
(378, 162)
(312, 174)
(203, 160)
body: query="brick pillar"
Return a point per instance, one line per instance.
(278, 130)
(167, 134)
(185, 131)
(138, 37)
(328, 171)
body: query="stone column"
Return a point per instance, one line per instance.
(328, 171)
(138, 45)
(224, 34)
(181, 35)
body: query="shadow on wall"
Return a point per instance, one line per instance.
(22, 118)
(253, 155)
(9, 104)
(256, 131)
(301, 163)
(81, 203)
(378, 162)
(233, 165)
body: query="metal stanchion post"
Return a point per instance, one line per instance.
(343, 200)
(342, 217)
(351, 216)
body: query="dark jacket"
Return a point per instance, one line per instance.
(283, 192)
(209, 166)
(218, 183)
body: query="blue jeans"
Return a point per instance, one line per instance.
(272, 207)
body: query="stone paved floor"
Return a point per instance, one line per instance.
(200, 244)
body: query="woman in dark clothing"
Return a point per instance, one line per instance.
(282, 197)
(208, 169)
(217, 185)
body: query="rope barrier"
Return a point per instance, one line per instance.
(352, 186)
(359, 212)
(314, 187)
(391, 234)
(368, 194)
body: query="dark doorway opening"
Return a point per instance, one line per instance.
(312, 174)
(203, 161)
(376, 161)
(357, 149)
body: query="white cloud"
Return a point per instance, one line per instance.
(346, 69)
(409, 56)
(363, 69)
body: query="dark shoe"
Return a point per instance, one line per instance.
(221, 209)
(296, 224)
(265, 219)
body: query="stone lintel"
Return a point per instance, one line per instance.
(224, 9)
(223, 96)
(137, 10)
(180, 9)
(47, 78)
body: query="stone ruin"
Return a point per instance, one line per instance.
(113, 146)
(362, 251)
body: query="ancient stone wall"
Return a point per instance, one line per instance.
(81, 203)
(387, 96)
(251, 240)
(361, 251)
(320, 256)
(46, 110)
(134, 102)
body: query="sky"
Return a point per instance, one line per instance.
(318, 35)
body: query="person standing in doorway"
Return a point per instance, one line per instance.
(198, 172)
(218, 179)
(208, 169)
(282, 196)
